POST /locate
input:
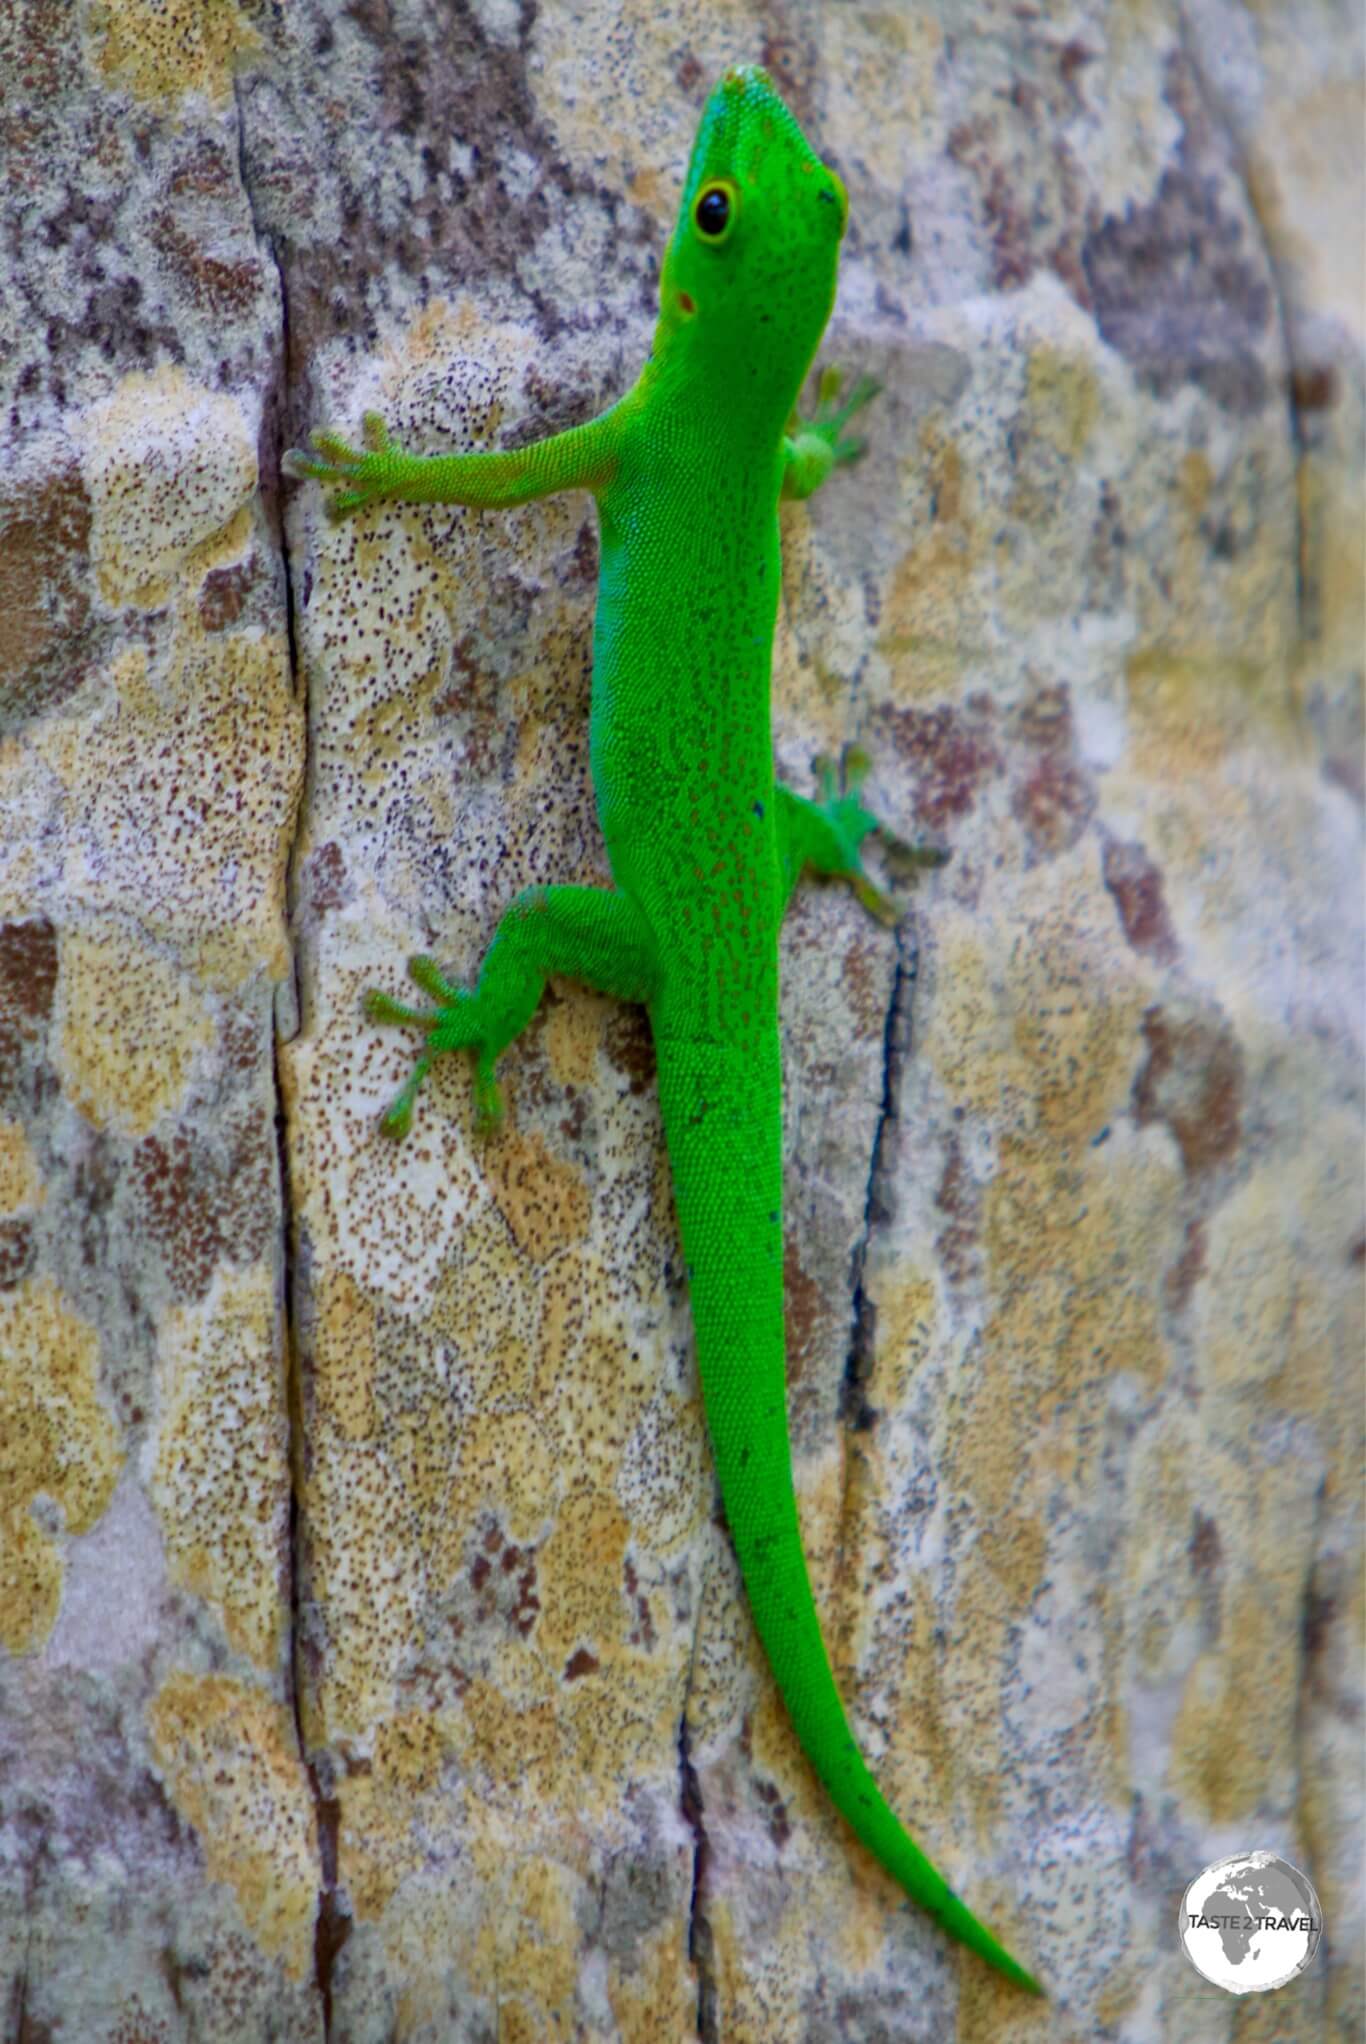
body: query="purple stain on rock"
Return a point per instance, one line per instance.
(1135, 885)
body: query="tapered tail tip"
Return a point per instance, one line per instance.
(1016, 1974)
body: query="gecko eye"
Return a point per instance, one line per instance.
(714, 210)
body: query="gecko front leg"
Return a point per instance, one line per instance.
(828, 836)
(814, 447)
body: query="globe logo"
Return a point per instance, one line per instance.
(1250, 1923)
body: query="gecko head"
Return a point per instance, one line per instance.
(749, 277)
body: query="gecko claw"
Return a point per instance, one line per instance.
(841, 801)
(378, 1006)
(488, 1100)
(426, 973)
(367, 469)
(337, 452)
(451, 1025)
(878, 904)
(297, 463)
(825, 428)
(397, 1119)
(913, 853)
(863, 393)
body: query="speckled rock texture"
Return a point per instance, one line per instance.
(372, 1661)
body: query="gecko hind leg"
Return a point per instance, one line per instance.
(587, 933)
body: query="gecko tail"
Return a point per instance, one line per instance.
(722, 1110)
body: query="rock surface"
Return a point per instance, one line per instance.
(372, 1661)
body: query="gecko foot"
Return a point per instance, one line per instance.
(829, 419)
(832, 418)
(369, 468)
(452, 1025)
(852, 823)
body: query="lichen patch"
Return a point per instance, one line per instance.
(220, 1477)
(345, 1388)
(177, 798)
(395, 1216)
(366, 1579)
(581, 1577)
(21, 1182)
(161, 49)
(131, 1027)
(56, 1442)
(507, 1464)
(664, 1479)
(231, 1764)
(544, 1200)
(388, 1809)
(44, 593)
(168, 467)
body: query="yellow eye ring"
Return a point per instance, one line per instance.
(714, 210)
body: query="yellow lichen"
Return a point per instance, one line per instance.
(177, 794)
(655, 1995)
(169, 466)
(229, 1757)
(344, 1388)
(1062, 398)
(507, 1465)
(382, 1806)
(220, 1481)
(30, 1574)
(664, 1480)
(538, 1950)
(131, 1026)
(479, 1306)
(581, 1577)
(367, 1576)
(510, 1748)
(1262, 1513)
(592, 1406)
(21, 1183)
(161, 49)
(1231, 1778)
(574, 1030)
(56, 1441)
(930, 594)
(544, 1200)
(1245, 1303)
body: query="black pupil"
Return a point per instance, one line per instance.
(713, 211)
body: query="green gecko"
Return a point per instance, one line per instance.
(705, 846)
